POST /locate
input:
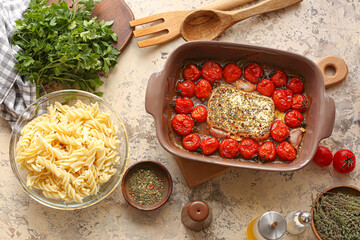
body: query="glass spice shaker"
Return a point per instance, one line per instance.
(196, 215)
(297, 221)
(270, 226)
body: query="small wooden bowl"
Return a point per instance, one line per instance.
(345, 189)
(160, 171)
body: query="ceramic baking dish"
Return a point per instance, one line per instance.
(320, 118)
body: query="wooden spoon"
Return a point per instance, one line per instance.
(208, 24)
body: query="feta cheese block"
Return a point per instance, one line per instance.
(240, 114)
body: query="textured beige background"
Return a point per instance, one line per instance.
(313, 28)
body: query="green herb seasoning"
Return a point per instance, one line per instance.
(145, 187)
(337, 217)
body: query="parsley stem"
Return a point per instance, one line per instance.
(64, 79)
(37, 89)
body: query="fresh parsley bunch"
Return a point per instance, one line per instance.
(64, 45)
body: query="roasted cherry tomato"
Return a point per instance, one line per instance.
(211, 71)
(267, 151)
(279, 78)
(286, 152)
(182, 124)
(191, 72)
(279, 131)
(253, 72)
(186, 88)
(294, 118)
(203, 89)
(229, 148)
(209, 145)
(266, 87)
(300, 103)
(344, 161)
(191, 142)
(323, 156)
(283, 99)
(184, 105)
(295, 85)
(248, 148)
(199, 113)
(232, 72)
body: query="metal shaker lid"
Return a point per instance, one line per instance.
(272, 225)
(305, 217)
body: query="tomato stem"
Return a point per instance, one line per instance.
(348, 161)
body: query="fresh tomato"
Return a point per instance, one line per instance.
(182, 124)
(323, 156)
(203, 89)
(191, 142)
(248, 148)
(199, 113)
(286, 152)
(279, 131)
(344, 161)
(266, 87)
(300, 103)
(209, 145)
(191, 72)
(279, 78)
(283, 99)
(186, 88)
(183, 105)
(229, 148)
(253, 72)
(295, 85)
(294, 118)
(211, 71)
(267, 151)
(232, 72)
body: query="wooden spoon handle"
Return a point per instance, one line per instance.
(226, 4)
(262, 7)
(340, 67)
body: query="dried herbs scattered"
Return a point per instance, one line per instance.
(145, 187)
(337, 216)
(62, 44)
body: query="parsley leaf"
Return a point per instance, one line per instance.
(62, 44)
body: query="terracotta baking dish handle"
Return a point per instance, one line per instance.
(327, 118)
(339, 66)
(328, 112)
(153, 93)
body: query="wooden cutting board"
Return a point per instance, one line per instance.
(196, 172)
(118, 11)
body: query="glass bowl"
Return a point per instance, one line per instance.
(39, 107)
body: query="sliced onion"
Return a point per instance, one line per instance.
(296, 136)
(245, 86)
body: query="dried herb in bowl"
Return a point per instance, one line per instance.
(62, 44)
(337, 216)
(145, 187)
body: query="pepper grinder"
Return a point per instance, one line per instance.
(196, 215)
(297, 221)
(270, 226)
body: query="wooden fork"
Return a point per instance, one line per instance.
(172, 22)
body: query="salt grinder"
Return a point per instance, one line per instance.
(270, 226)
(196, 215)
(297, 221)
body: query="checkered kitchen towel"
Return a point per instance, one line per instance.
(15, 93)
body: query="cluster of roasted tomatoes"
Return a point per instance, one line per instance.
(286, 94)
